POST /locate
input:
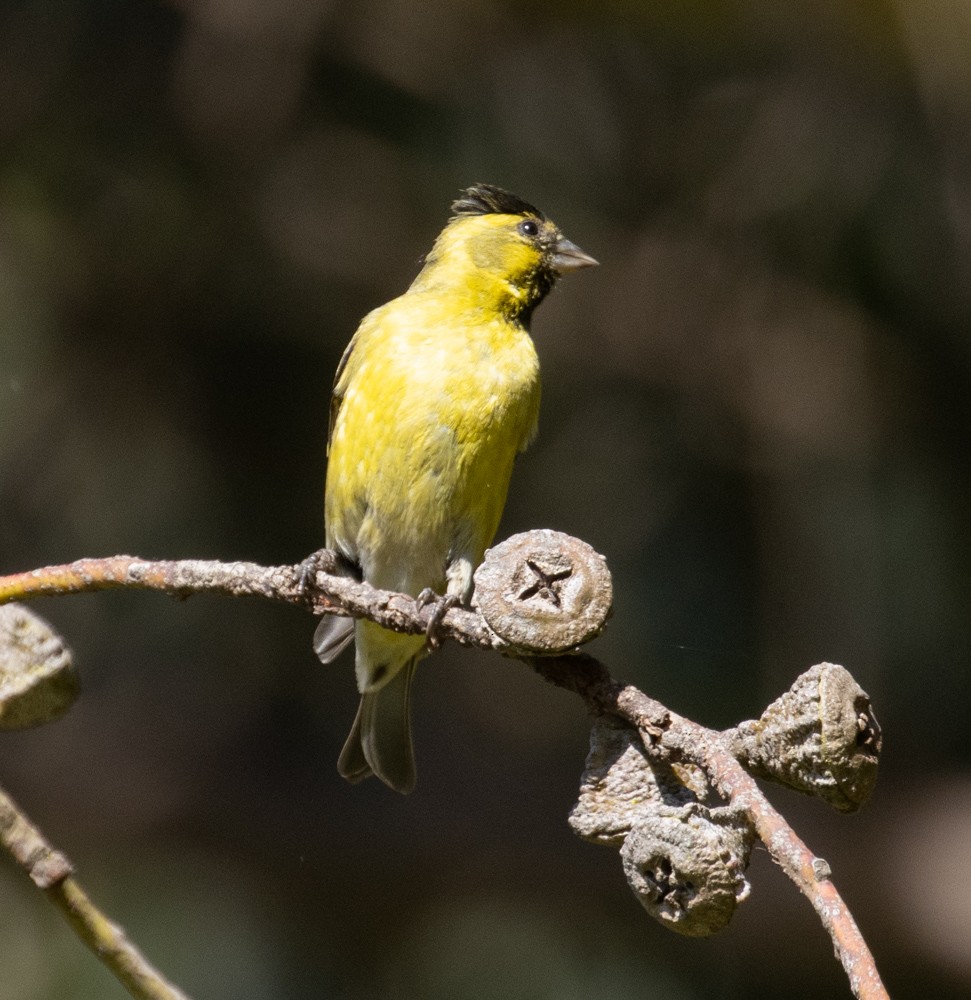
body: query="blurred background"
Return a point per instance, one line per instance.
(757, 408)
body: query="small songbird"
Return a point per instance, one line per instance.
(436, 394)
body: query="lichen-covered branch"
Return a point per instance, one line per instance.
(53, 874)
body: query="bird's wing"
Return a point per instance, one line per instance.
(340, 386)
(370, 327)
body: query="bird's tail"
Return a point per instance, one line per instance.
(380, 739)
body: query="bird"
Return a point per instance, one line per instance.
(434, 397)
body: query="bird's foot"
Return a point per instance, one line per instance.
(442, 606)
(329, 561)
(323, 561)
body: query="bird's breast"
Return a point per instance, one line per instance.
(423, 447)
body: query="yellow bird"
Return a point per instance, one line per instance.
(436, 394)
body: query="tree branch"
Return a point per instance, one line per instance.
(325, 593)
(52, 872)
(667, 737)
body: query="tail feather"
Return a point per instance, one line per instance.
(352, 764)
(380, 739)
(333, 635)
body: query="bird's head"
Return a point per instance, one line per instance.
(500, 249)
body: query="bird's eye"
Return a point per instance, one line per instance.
(528, 228)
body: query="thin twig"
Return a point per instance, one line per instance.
(52, 873)
(666, 735)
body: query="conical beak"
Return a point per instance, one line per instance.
(568, 256)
